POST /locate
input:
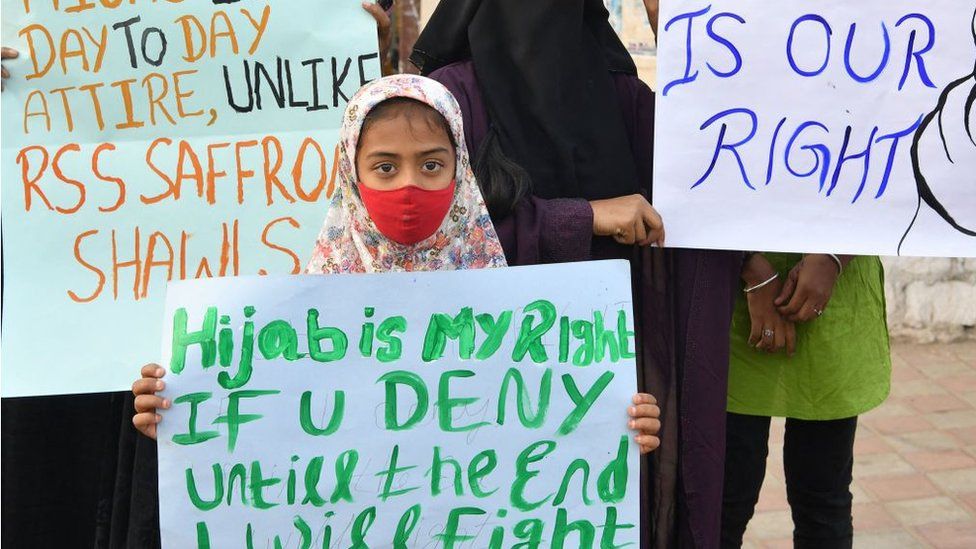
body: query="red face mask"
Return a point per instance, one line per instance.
(409, 214)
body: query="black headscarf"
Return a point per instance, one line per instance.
(544, 68)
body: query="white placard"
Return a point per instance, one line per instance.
(478, 408)
(828, 126)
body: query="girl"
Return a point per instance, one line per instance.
(828, 313)
(407, 201)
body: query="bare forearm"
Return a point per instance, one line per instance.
(756, 269)
(652, 7)
(843, 260)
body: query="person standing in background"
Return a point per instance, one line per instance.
(564, 133)
(809, 343)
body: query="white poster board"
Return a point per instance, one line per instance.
(477, 408)
(828, 126)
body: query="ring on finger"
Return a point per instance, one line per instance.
(819, 312)
(768, 333)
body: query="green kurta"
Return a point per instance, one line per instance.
(842, 365)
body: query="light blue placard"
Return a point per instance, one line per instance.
(73, 323)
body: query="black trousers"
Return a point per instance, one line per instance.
(818, 457)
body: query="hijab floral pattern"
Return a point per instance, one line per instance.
(350, 242)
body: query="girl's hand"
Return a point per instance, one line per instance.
(808, 288)
(145, 388)
(769, 332)
(6, 53)
(644, 416)
(629, 220)
(384, 31)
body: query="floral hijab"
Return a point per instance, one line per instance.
(350, 242)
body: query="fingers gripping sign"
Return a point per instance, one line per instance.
(629, 220)
(5, 54)
(147, 403)
(645, 420)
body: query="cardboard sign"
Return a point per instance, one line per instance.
(458, 409)
(829, 126)
(153, 141)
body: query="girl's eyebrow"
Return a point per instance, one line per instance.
(382, 154)
(435, 150)
(387, 154)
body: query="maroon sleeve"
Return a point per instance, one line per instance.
(547, 231)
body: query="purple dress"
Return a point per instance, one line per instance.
(683, 303)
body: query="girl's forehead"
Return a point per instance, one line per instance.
(404, 129)
(420, 89)
(417, 88)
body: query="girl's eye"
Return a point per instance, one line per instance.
(386, 168)
(432, 166)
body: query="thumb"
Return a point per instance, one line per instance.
(788, 287)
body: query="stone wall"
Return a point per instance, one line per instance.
(931, 300)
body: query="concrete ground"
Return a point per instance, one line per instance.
(915, 459)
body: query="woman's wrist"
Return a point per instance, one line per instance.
(839, 261)
(756, 270)
(756, 287)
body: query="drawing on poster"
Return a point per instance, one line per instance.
(925, 191)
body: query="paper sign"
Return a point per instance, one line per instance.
(466, 409)
(828, 126)
(159, 140)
